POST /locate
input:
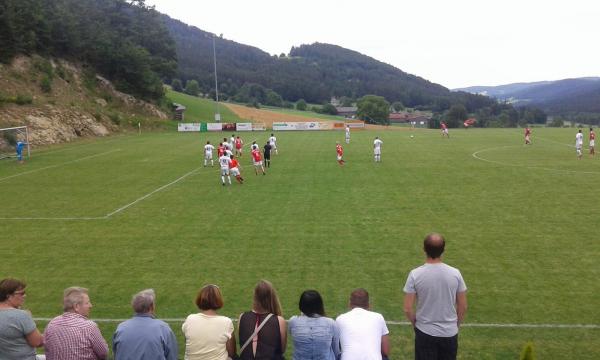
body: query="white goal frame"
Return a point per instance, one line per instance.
(17, 128)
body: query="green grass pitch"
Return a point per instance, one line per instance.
(125, 213)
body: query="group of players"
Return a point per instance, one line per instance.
(578, 141)
(340, 150)
(228, 162)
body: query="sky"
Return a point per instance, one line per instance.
(455, 43)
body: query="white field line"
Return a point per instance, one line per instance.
(406, 323)
(476, 156)
(57, 165)
(151, 193)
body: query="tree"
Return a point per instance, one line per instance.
(301, 105)
(328, 109)
(273, 99)
(374, 109)
(192, 88)
(456, 115)
(176, 85)
(397, 106)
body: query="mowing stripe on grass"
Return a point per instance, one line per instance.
(391, 322)
(476, 156)
(57, 165)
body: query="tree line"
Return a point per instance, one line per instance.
(124, 41)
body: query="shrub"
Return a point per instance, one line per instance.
(23, 99)
(46, 84)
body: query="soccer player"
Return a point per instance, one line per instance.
(227, 145)
(234, 169)
(208, 150)
(445, 130)
(579, 144)
(238, 146)
(220, 150)
(232, 141)
(224, 162)
(347, 134)
(377, 149)
(340, 152)
(267, 154)
(258, 164)
(527, 136)
(273, 141)
(254, 145)
(19, 148)
(592, 141)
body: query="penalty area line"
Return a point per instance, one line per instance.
(406, 323)
(57, 165)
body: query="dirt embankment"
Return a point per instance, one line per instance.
(69, 107)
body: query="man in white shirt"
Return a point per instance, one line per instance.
(363, 333)
(224, 162)
(579, 144)
(377, 149)
(208, 150)
(440, 294)
(347, 134)
(273, 143)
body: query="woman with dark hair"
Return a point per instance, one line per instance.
(209, 336)
(315, 336)
(18, 334)
(263, 331)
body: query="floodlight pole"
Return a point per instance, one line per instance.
(217, 114)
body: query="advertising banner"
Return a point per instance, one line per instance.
(185, 127)
(243, 126)
(356, 125)
(214, 126)
(259, 127)
(228, 126)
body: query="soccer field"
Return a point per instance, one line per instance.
(124, 213)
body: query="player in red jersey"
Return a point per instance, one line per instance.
(234, 169)
(444, 128)
(220, 150)
(238, 146)
(592, 141)
(527, 136)
(340, 152)
(257, 161)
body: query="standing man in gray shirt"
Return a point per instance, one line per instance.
(440, 294)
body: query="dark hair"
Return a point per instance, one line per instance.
(311, 303)
(266, 299)
(9, 286)
(433, 245)
(209, 298)
(359, 298)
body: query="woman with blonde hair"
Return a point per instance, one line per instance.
(209, 336)
(263, 331)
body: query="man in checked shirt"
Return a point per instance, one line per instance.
(72, 336)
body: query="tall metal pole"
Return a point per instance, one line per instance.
(217, 114)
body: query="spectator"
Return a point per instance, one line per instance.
(209, 336)
(441, 296)
(315, 336)
(72, 336)
(143, 337)
(263, 331)
(363, 333)
(18, 334)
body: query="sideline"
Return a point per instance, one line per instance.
(391, 322)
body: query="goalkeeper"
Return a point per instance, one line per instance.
(19, 147)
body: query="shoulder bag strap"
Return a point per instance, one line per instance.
(254, 333)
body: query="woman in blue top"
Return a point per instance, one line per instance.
(315, 336)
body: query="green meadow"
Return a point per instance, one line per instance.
(125, 213)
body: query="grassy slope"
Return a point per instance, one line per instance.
(200, 110)
(519, 226)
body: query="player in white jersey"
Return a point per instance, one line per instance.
(273, 142)
(224, 162)
(347, 134)
(579, 144)
(377, 149)
(254, 146)
(208, 154)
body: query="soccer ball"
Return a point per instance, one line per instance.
(412, 136)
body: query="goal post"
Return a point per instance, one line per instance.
(9, 137)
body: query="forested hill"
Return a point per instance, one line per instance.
(312, 72)
(124, 41)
